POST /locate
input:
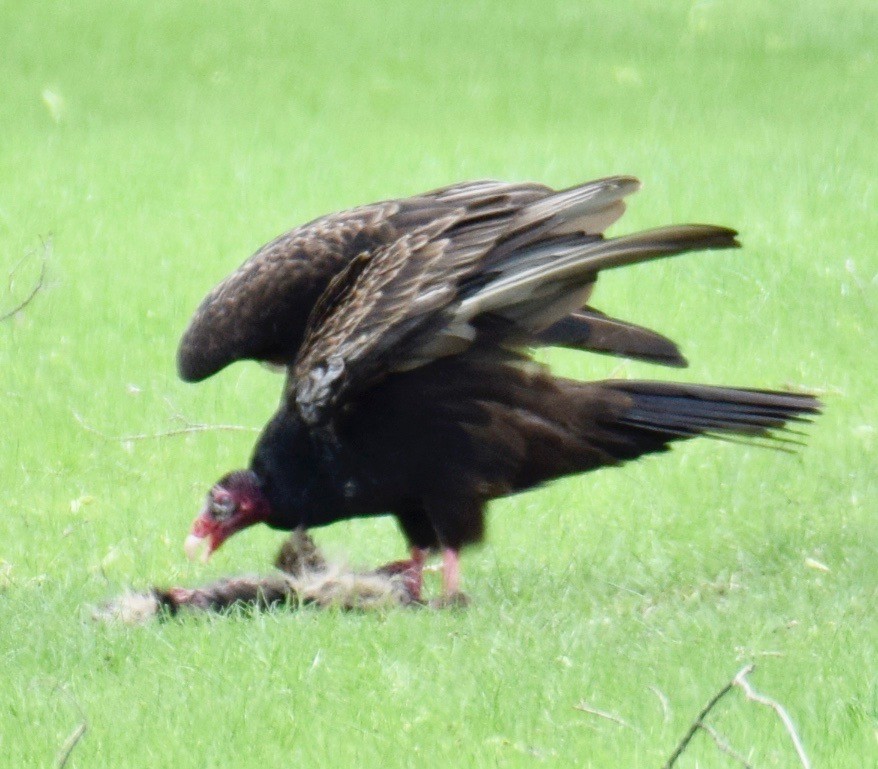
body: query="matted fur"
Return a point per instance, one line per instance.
(305, 579)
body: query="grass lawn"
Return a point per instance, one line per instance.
(148, 148)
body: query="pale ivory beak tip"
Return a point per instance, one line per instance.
(197, 548)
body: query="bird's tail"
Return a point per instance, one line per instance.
(639, 417)
(512, 425)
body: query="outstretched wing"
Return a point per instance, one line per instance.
(501, 278)
(489, 275)
(261, 310)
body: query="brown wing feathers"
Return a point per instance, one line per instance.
(360, 327)
(592, 330)
(428, 294)
(261, 311)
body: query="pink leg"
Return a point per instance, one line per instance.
(450, 572)
(452, 597)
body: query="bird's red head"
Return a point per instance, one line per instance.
(235, 502)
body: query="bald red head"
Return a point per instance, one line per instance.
(235, 502)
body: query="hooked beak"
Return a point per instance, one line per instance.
(197, 548)
(206, 536)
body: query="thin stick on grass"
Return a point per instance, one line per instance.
(663, 701)
(740, 681)
(76, 735)
(193, 427)
(723, 744)
(37, 287)
(751, 694)
(699, 719)
(70, 743)
(585, 708)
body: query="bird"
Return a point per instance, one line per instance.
(407, 329)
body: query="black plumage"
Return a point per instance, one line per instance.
(404, 327)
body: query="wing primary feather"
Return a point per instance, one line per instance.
(591, 330)
(575, 264)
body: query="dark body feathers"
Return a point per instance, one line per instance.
(404, 325)
(435, 444)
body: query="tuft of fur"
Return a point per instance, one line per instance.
(129, 608)
(305, 579)
(299, 555)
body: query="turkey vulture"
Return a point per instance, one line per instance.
(404, 327)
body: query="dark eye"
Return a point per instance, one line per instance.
(221, 509)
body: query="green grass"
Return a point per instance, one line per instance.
(153, 146)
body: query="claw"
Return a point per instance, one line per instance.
(456, 600)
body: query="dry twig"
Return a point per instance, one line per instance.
(76, 735)
(751, 694)
(663, 701)
(36, 287)
(192, 427)
(70, 743)
(585, 708)
(740, 680)
(723, 744)
(699, 720)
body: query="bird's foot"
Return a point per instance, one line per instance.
(457, 600)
